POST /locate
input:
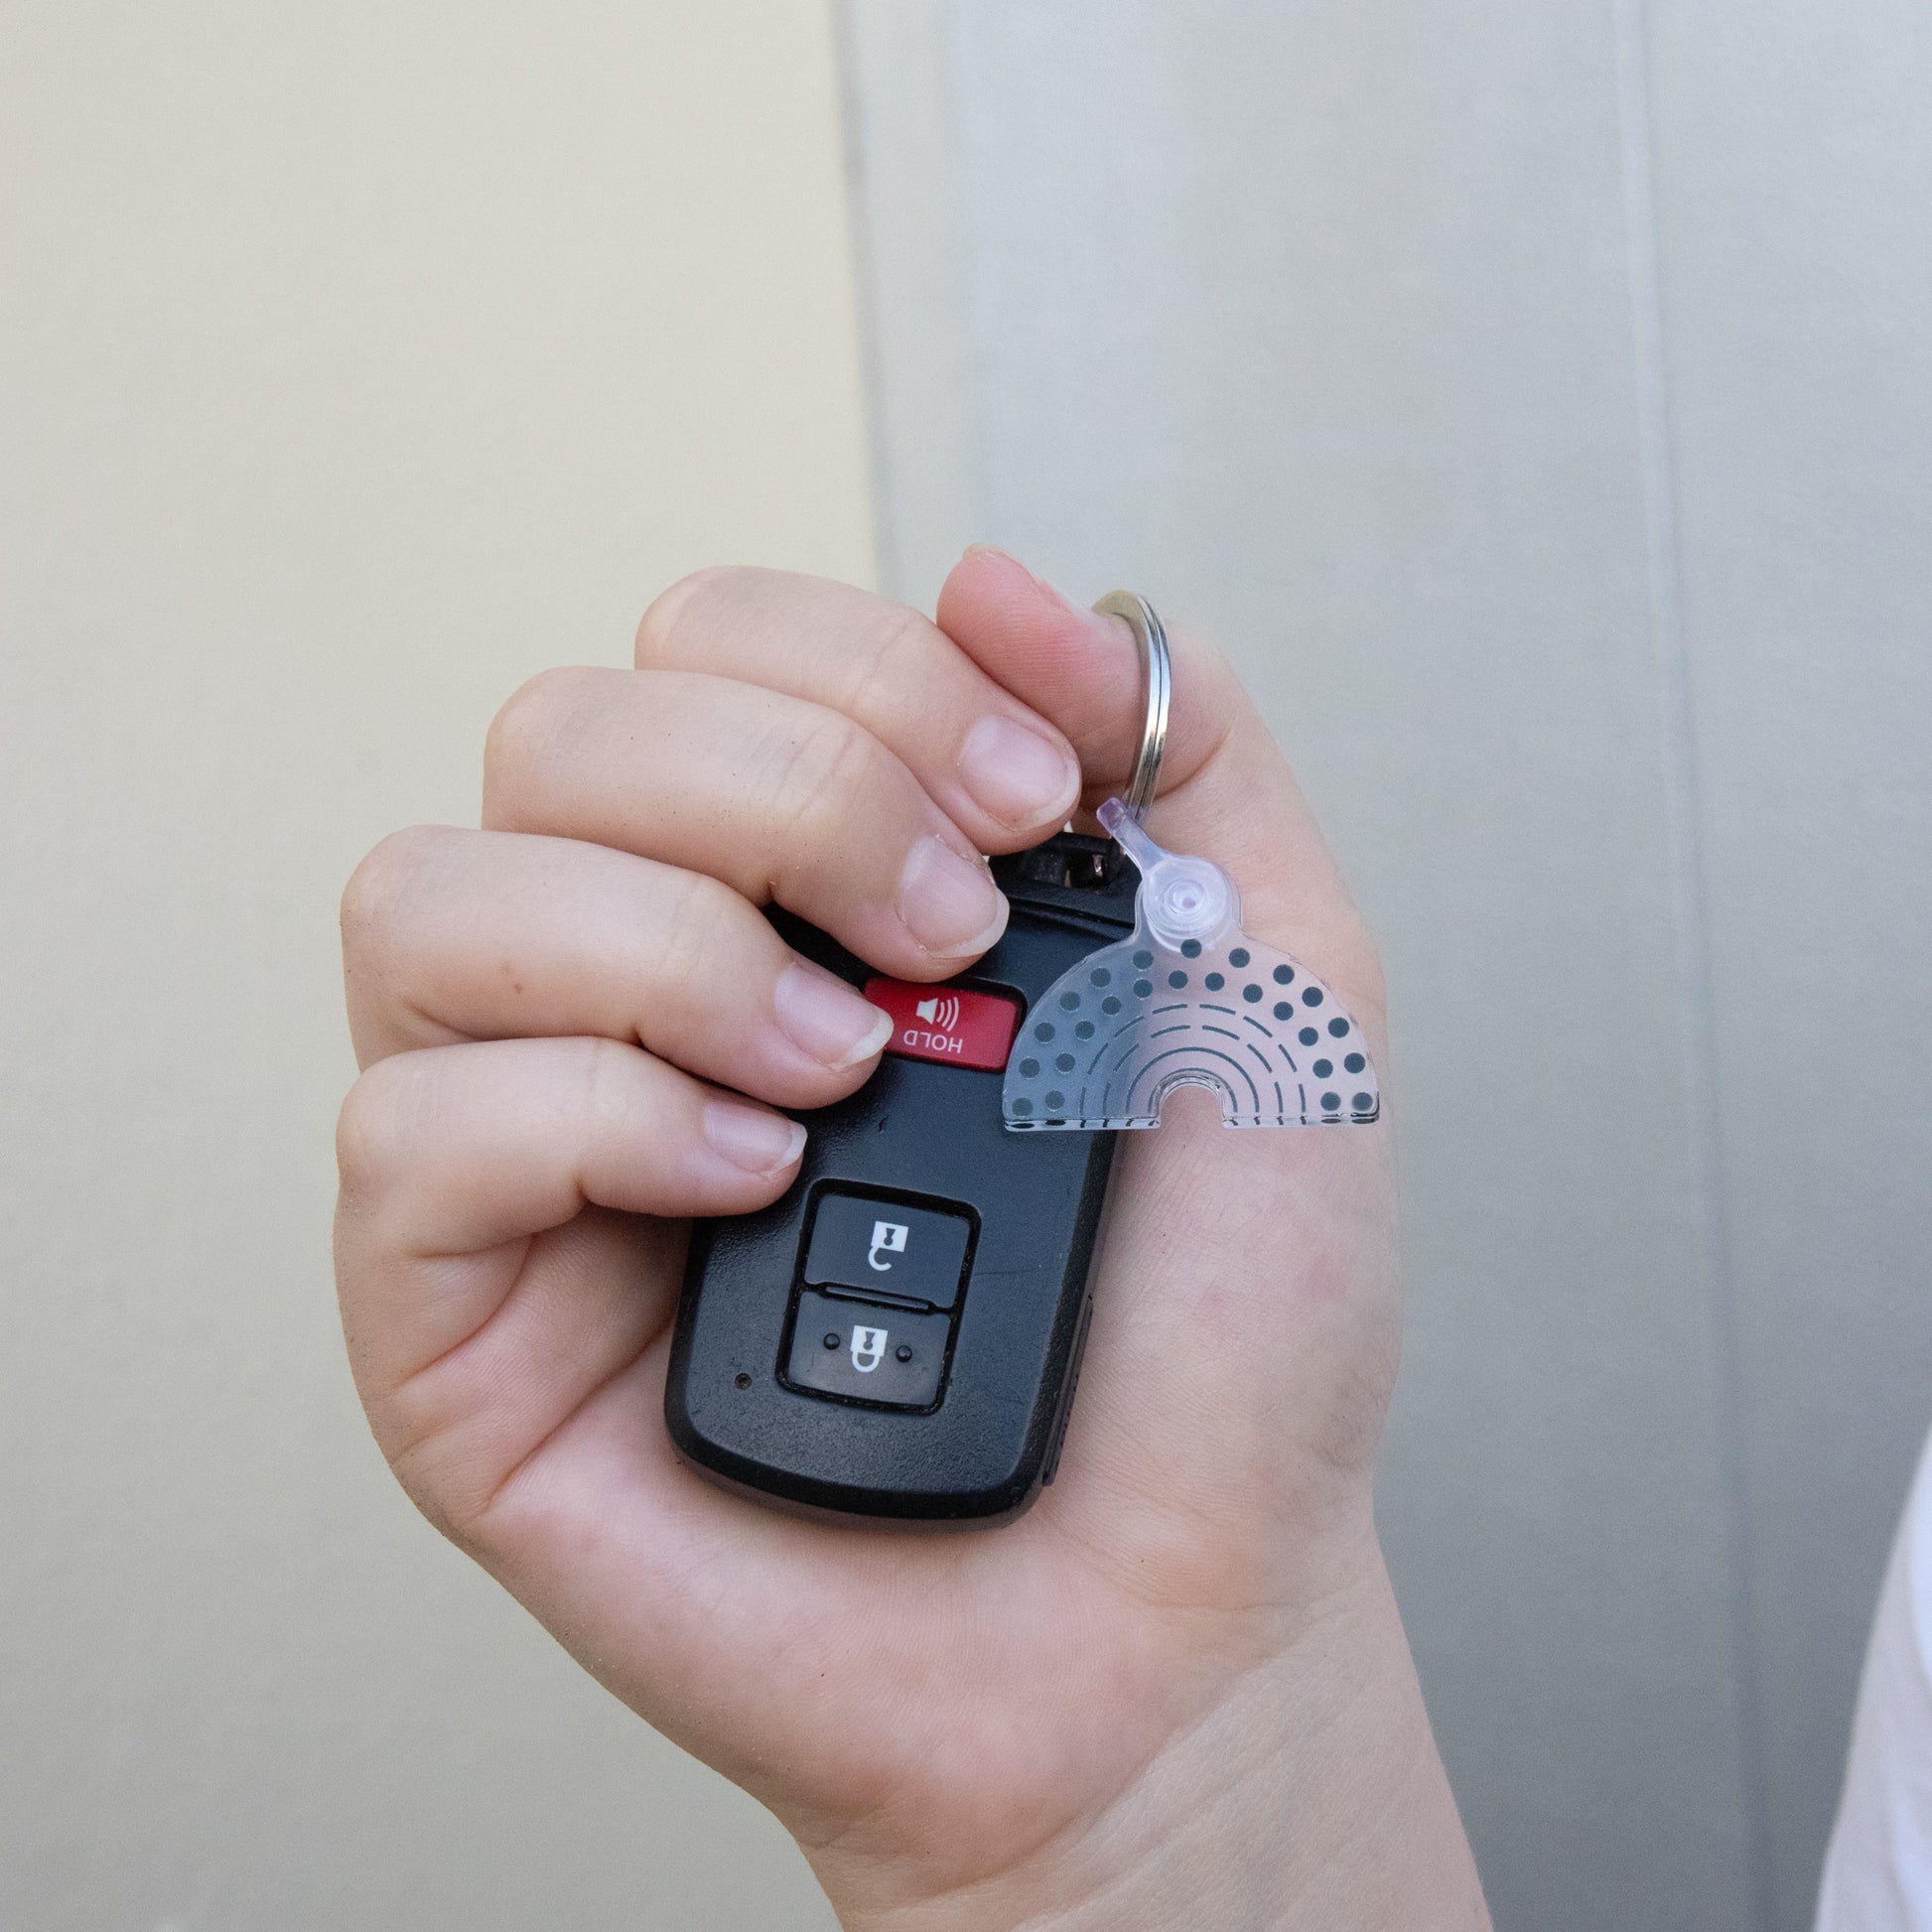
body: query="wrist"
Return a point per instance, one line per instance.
(1311, 1795)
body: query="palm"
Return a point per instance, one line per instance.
(999, 1681)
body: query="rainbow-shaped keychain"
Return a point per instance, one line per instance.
(1190, 1001)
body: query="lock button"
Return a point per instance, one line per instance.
(869, 1245)
(868, 1351)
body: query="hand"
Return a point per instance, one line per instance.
(1176, 1693)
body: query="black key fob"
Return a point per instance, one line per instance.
(899, 1334)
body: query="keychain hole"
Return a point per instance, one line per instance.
(1079, 872)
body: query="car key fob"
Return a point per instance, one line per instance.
(900, 1334)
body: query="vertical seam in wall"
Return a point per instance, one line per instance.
(1696, 985)
(979, 280)
(865, 296)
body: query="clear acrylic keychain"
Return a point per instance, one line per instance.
(1190, 1001)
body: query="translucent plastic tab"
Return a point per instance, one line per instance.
(1190, 1001)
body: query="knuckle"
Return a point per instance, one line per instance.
(530, 722)
(894, 652)
(693, 941)
(453, 1507)
(666, 629)
(620, 1093)
(818, 768)
(374, 1132)
(383, 882)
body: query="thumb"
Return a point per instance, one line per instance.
(1225, 792)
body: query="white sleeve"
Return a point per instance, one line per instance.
(1879, 1869)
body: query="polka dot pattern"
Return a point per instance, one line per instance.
(1133, 1021)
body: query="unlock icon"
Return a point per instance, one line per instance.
(887, 1238)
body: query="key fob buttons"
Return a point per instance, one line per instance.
(868, 1353)
(875, 1246)
(956, 1026)
(909, 1263)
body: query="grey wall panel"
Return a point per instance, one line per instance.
(1578, 563)
(1794, 168)
(1317, 321)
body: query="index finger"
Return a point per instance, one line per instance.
(999, 771)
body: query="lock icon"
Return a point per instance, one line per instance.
(887, 1238)
(868, 1348)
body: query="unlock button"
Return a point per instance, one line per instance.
(883, 1247)
(870, 1352)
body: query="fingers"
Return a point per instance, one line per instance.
(481, 1302)
(776, 798)
(451, 935)
(465, 1148)
(1082, 672)
(581, 1306)
(1003, 773)
(1226, 793)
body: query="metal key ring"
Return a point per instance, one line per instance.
(1150, 639)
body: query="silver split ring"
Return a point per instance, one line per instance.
(1152, 642)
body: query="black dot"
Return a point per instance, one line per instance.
(1330, 1103)
(1176, 981)
(1055, 1102)
(1110, 1004)
(1069, 1000)
(1364, 1102)
(1238, 957)
(1251, 994)
(1337, 1025)
(1282, 975)
(740, 1380)
(1307, 1036)
(1143, 960)
(1190, 949)
(1084, 1031)
(1311, 995)
(1022, 1107)
(1027, 1069)
(1354, 1063)
(1100, 976)
(1143, 988)
(1323, 1069)
(1042, 1032)
(1065, 1062)
(831, 1341)
(903, 1351)
(1215, 982)
(1283, 1010)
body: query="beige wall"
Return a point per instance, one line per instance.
(358, 361)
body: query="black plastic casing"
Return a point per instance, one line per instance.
(924, 1133)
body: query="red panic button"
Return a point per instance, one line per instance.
(943, 1022)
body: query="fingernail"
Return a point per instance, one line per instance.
(751, 1138)
(947, 902)
(1054, 591)
(1017, 776)
(826, 1019)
